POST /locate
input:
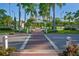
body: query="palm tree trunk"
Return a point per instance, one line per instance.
(25, 20)
(15, 23)
(19, 15)
(69, 23)
(54, 22)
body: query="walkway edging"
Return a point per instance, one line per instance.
(25, 42)
(52, 43)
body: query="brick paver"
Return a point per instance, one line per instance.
(37, 46)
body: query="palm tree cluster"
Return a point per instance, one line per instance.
(44, 11)
(4, 18)
(72, 18)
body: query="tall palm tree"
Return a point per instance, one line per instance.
(19, 5)
(25, 7)
(2, 13)
(29, 9)
(76, 15)
(7, 20)
(44, 12)
(69, 16)
(53, 5)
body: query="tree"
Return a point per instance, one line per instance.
(30, 22)
(77, 16)
(2, 13)
(7, 20)
(58, 21)
(19, 5)
(44, 12)
(53, 6)
(25, 6)
(69, 16)
(30, 9)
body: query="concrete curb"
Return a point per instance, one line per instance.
(25, 42)
(52, 43)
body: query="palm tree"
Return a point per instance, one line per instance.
(76, 15)
(29, 9)
(25, 6)
(19, 5)
(2, 13)
(69, 16)
(7, 20)
(53, 9)
(44, 12)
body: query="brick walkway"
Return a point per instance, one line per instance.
(37, 46)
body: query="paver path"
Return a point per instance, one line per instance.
(37, 45)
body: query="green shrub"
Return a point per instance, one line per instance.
(69, 28)
(4, 52)
(1, 48)
(11, 33)
(72, 50)
(10, 50)
(6, 29)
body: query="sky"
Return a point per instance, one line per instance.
(73, 7)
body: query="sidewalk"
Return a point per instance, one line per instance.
(37, 46)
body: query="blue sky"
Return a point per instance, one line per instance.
(59, 12)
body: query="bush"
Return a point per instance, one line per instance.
(1, 48)
(10, 50)
(69, 28)
(6, 29)
(71, 50)
(11, 33)
(4, 52)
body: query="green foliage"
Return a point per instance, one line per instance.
(7, 20)
(77, 15)
(30, 21)
(2, 13)
(70, 28)
(71, 50)
(58, 21)
(10, 50)
(65, 31)
(4, 52)
(44, 9)
(7, 31)
(69, 16)
(11, 33)
(29, 8)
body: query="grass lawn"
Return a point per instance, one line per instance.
(11, 32)
(6, 32)
(65, 31)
